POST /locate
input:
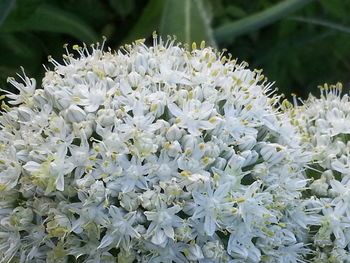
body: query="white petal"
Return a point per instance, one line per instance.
(106, 241)
(60, 182)
(175, 110)
(159, 238)
(32, 166)
(209, 225)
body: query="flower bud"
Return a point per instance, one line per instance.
(189, 141)
(212, 150)
(97, 191)
(198, 94)
(174, 149)
(39, 98)
(323, 140)
(339, 254)
(140, 218)
(319, 187)
(125, 256)
(148, 199)
(236, 161)
(74, 114)
(220, 163)
(174, 133)
(62, 100)
(92, 77)
(152, 64)
(194, 253)
(110, 69)
(85, 126)
(129, 201)
(25, 113)
(145, 145)
(171, 189)
(182, 95)
(134, 79)
(141, 64)
(212, 250)
(105, 117)
(247, 143)
(21, 218)
(184, 233)
(163, 171)
(272, 153)
(250, 157)
(85, 182)
(328, 175)
(323, 236)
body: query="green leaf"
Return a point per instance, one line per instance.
(24, 9)
(228, 31)
(148, 21)
(188, 20)
(122, 7)
(93, 12)
(337, 8)
(235, 11)
(5, 9)
(322, 22)
(20, 50)
(52, 19)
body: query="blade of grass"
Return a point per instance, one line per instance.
(228, 31)
(322, 22)
(5, 9)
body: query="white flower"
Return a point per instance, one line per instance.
(172, 252)
(213, 250)
(194, 252)
(164, 167)
(210, 205)
(21, 217)
(26, 89)
(324, 124)
(50, 174)
(10, 242)
(74, 114)
(174, 133)
(155, 154)
(121, 231)
(163, 220)
(342, 201)
(10, 168)
(133, 174)
(240, 244)
(193, 116)
(129, 201)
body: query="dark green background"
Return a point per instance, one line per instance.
(298, 43)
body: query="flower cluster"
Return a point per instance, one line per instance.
(324, 124)
(151, 154)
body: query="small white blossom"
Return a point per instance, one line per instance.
(121, 230)
(163, 220)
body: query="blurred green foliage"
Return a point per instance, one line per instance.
(299, 43)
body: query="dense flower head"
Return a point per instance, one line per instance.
(150, 154)
(324, 124)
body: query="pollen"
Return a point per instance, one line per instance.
(240, 200)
